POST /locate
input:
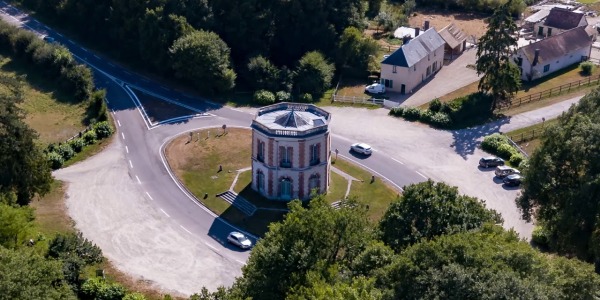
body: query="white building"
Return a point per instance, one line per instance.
(414, 62)
(553, 53)
(559, 20)
(290, 151)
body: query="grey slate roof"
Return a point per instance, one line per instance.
(453, 35)
(563, 18)
(415, 50)
(291, 119)
(556, 46)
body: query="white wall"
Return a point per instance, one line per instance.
(554, 65)
(412, 77)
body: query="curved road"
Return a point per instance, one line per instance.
(143, 139)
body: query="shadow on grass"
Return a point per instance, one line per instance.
(257, 224)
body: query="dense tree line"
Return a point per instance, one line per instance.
(562, 186)
(485, 6)
(432, 243)
(206, 43)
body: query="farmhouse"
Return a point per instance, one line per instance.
(414, 62)
(559, 20)
(553, 53)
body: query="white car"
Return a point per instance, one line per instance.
(375, 88)
(239, 239)
(361, 148)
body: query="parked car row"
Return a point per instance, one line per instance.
(510, 176)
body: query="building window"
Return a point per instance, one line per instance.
(519, 61)
(315, 157)
(393, 69)
(260, 180)
(434, 66)
(387, 82)
(546, 68)
(428, 57)
(428, 71)
(414, 67)
(314, 184)
(285, 188)
(260, 153)
(285, 157)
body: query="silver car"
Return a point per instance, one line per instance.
(361, 148)
(239, 239)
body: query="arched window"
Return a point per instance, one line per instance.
(260, 180)
(314, 183)
(285, 188)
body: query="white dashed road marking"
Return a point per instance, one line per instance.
(119, 122)
(126, 149)
(123, 135)
(421, 175)
(166, 214)
(149, 196)
(397, 161)
(185, 229)
(138, 179)
(130, 164)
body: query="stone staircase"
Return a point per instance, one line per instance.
(238, 202)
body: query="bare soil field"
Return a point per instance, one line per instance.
(470, 23)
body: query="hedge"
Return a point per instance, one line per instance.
(498, 144)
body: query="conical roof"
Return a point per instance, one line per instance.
(291, 119)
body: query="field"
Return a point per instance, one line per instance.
(472, 24)
(53, 114)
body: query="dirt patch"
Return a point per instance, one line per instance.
(471, 23)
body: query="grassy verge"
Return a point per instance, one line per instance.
(196, 164)
(55, 115)
(528, 138)
(570, 74)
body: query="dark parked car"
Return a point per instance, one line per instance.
(491, 161)
(513, 180)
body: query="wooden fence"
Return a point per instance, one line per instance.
(357, 100)
(555, 91)
(526, 136)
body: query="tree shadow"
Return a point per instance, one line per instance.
(466, 140)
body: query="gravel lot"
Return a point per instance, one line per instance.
(110, 209)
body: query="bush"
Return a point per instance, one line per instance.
(426, 116)
(540, 236)
(491, 143)
(435, 105)
(56, 160)
(412, 114)
(97, 288)
(516, 160)
(306, 98)
(103, 129)
(90, 137)
(77, 144)
(506, 151)
(397, 111)
(283, 96)
(440, 120)
(66, 151)
(587, 68)
(263, 97)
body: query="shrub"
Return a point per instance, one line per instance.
(506, 151)
(412, 114)
(435, 105)
(97, 288)
(90, 137)
(587, 68)
(56, 160)
(492, 142)
(66, 151)
(77, 144)
(425, 116)
(306, 97)
(516, 159)
(98, 106)
(441, 120)
(540, 236)
(397, 111)
(103, 129)
(283, 96)
(263, 97)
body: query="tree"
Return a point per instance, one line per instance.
(313, 75)
(262, 74)
(501, 78)
(430, 209)
(359, 288)
(562, 186)
(310, 239)
(489, 263)
(356, 50)
(25, 171)
(409, 6)
(26, 275)
(202, 58)
(15, 223)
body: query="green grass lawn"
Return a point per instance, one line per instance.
(520, 136)
(196, 164)
(55, 115)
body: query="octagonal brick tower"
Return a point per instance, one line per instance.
(290, 151)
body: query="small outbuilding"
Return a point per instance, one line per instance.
(455, 38)
(559, 20)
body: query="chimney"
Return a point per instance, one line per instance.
(535, 58)
(406, 39)
(417, 30)
(426, 25)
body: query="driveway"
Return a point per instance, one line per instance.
(450, 78)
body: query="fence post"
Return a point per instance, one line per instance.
(589, 79)
(560, 89)
(569, 87)
(522, 133)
